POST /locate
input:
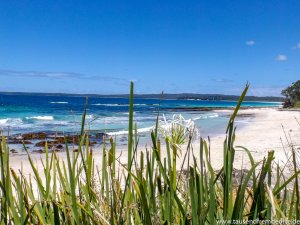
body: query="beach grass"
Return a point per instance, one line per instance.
(149, 188)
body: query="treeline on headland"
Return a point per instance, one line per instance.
(219, 97)
(180, 96)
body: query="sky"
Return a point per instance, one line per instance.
(211, 46)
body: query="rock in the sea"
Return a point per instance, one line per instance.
(40, 151)
(59, 146)
(50, 144)
(92, 143)
(69, 139)
(17, 141)
(38, 136)
(59, 142)
(55, 150)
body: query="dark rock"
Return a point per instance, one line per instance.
(38, 136)
(73, 139)
(16, 141)
(60, 141)
(40, 144)
(69, 139)
(59, 146)
(43, 143)
(13, 151)
(92, 143)
(40, 151)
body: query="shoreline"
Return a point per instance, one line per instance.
(218, 109)
(261, 133)
(35, 140)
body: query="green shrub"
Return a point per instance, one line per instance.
(297, 104)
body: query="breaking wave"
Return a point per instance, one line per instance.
(40, 118)
(125, 132)
(11, 122)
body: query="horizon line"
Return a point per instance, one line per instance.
(137, 94)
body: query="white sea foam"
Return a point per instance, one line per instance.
(106, 104)
(91, 116)
(115, 119)
(114, 133)
(205, 116)
(125, 132)
(120, 105)
(62, 123)
(59, 102)
(11, 122)
(106, 120)
(40, 118)
(144, 130)
(3, 121)
(213, 116)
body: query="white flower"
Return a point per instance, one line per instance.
(178, 129)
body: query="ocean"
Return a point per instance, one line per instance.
(33, 113)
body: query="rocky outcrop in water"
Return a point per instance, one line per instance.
(55, 141)
(37, 136)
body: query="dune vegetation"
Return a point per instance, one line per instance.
(292, 95)
(150, 189)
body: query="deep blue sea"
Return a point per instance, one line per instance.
(27, 113)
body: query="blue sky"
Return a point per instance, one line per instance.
(173, 46)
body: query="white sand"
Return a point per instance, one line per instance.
(262, 133)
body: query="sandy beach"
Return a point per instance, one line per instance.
(262, 131)
(265, 130)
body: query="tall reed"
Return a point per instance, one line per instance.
(150, 188)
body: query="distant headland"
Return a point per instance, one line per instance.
(179, 96)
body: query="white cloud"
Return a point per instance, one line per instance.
(250, 42)
(281, 58)
(297, 46)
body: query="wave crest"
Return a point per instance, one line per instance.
(40, 118)
(11, 122)
(59, 102)
(123, 132)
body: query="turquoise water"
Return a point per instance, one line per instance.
(25, 113)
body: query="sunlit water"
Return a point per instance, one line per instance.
(25, 113)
